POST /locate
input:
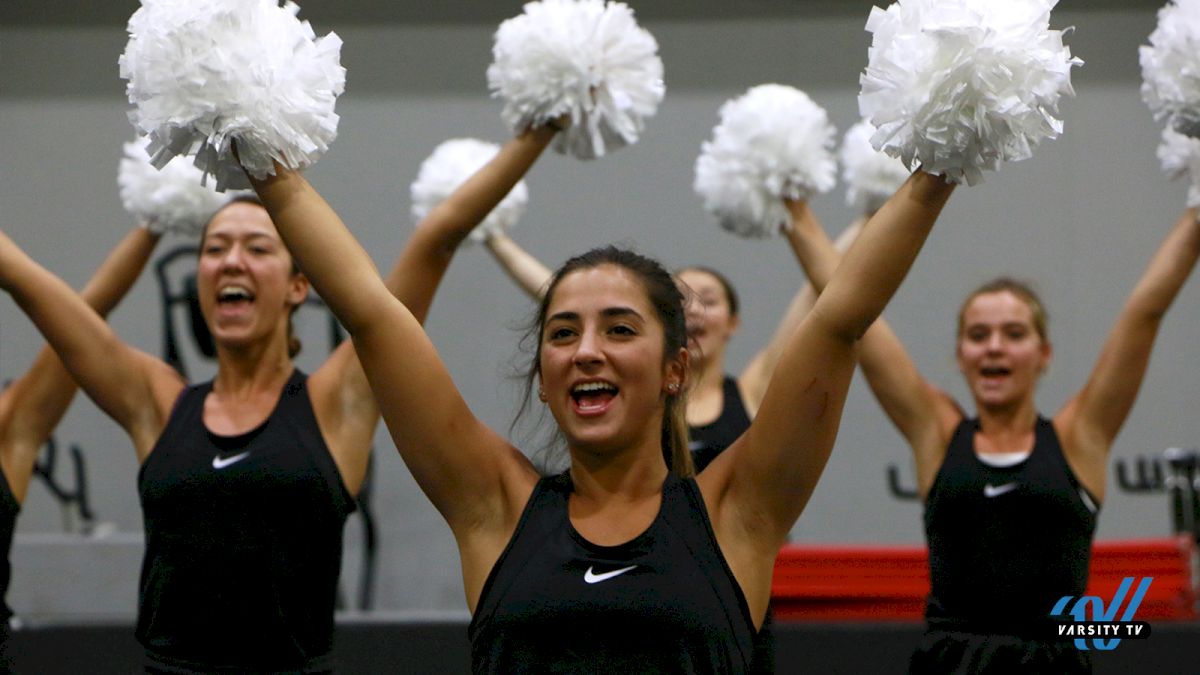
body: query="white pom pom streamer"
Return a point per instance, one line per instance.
(168, 199)
(1180, 156)
(773, 143)
(959, 86)
(451, 164)
(871, 177)
(1171, 67)
(585, 59)
(204, 73)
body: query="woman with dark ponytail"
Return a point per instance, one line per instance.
(621, 563)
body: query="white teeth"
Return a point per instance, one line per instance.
(233, 293)
(593, 386)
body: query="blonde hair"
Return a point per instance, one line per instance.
(1022, 290)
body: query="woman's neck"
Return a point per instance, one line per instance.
(249, 370)
(630, 474)
(711, 374)
(1007, 429)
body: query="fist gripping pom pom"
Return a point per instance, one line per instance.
(206, 73)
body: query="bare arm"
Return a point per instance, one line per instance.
(527, 271)
(133, 388)
(1092, 419)
(754, 379)
(770, 473)
(924, 415)
(346, 408)
(437, 237)
(473, 477)
(35, 402)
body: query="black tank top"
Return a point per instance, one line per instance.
(1005, 543)
(664, 602)
(710, 440)
(9, 508)
(243, 541)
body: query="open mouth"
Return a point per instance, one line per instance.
(234, 295)
(593, 397)
(994, 371)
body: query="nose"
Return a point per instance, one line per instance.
(588, 351)
(233, 259)
(995, 342)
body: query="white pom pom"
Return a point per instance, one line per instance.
(205, 73)
(959, 86)
(168, 199)
(871, 177)
(773, 143)
(1180, 156)
(586, 59)
(451, 164)
(1171, 67)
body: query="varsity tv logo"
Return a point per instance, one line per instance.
(1097, 622)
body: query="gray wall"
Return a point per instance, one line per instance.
(1081, 219)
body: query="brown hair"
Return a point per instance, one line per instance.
(667, 301)
(1024, 293)
(731, 295)
(294, 344)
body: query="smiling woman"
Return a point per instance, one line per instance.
(984, 479)
(246, 481)
(697, 554)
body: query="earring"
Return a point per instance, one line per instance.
(541, 395)
(673, 388)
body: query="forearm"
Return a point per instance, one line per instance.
(763, 364)
(1169, 269)
(89, 349)
(873, 268)
(337, 265)
(427, 255)
(814, 250)
(120, 270)
(455, 217)
(524, 269)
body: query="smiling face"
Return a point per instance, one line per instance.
(1000, 351)
(601, 361)
(711, 321)
(245, 277)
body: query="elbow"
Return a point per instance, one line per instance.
(842, 327)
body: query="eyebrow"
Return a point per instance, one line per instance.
(248, 237)
(607, 312)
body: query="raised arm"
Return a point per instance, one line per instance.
(770, 473)
(527, 271)
(757, 374)
(1091, 420)
(35, 402)
(133, 388)
(345, 406)
(473, 477)
(924, 415)
(427, 255)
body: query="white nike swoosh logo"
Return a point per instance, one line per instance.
(222, 462)
(990, 491)
(591, 578)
